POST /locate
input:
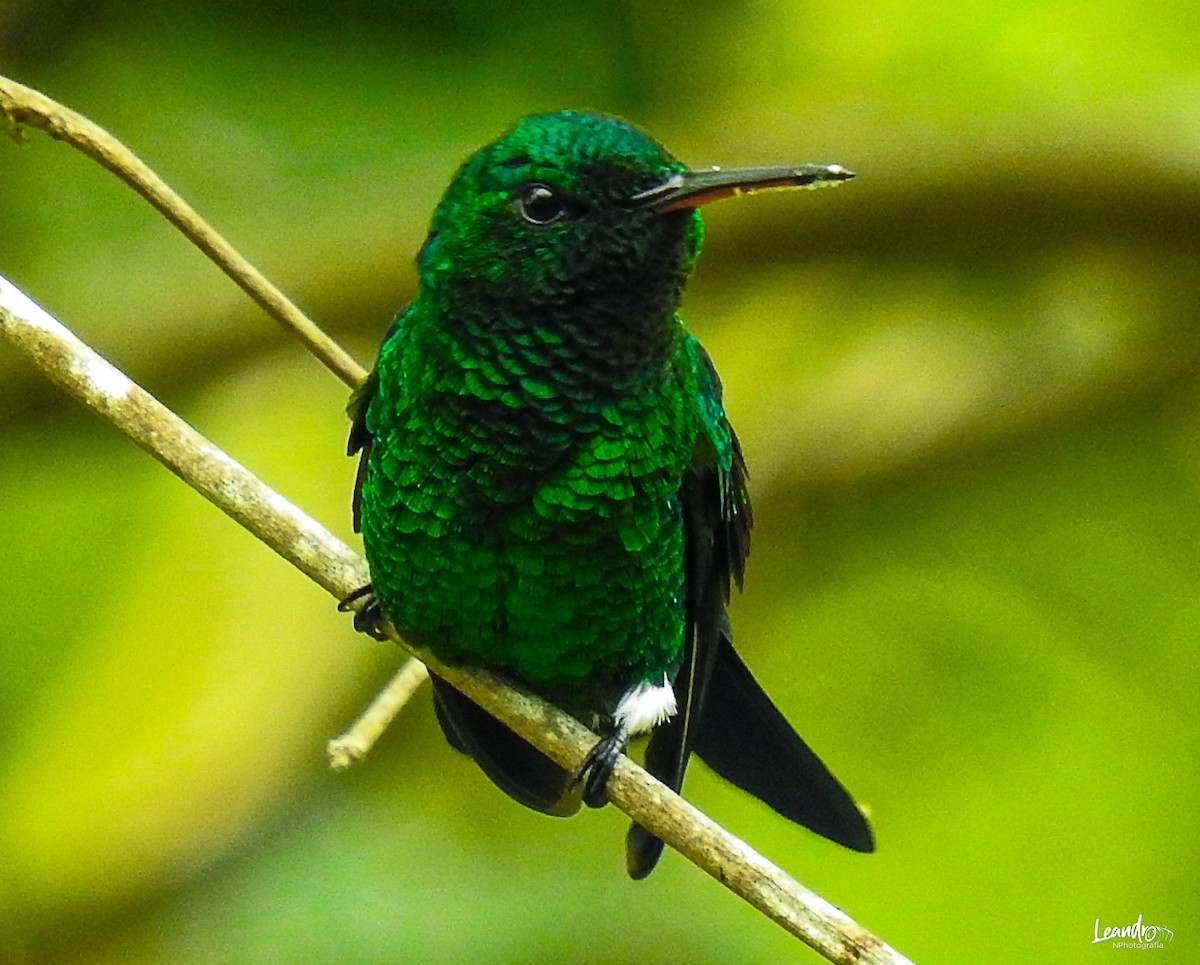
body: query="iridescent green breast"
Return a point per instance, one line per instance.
(545, 538)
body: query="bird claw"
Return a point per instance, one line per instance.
(369, 617)
(598, 767)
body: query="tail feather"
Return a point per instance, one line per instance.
(744, 738)
(514, 765)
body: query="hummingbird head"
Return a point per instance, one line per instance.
(543, 216)
(579, 223)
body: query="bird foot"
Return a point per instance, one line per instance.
(369, 617)
(598, 766)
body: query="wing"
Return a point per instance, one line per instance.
(717, 521)
(360, 436)
(724, 716)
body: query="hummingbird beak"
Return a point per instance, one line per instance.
(691, 189)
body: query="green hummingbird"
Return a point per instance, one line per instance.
(548, 486)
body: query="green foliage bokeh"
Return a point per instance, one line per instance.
(966, 385)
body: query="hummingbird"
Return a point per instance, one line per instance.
(548, 486)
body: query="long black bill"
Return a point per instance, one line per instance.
(691, 189)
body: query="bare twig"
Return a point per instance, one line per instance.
(325, 559)
(23, 106)
(349, 748)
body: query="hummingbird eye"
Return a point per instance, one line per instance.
(540, 204)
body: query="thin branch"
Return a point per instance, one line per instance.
(20, 105)
(23, 106)
(323, 558)
(349, 748)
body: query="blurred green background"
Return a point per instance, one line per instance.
(967, 387)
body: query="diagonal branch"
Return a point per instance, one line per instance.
(323, 558)
(21, 105)
(349, 748)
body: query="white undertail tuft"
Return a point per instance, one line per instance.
(645, 706)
